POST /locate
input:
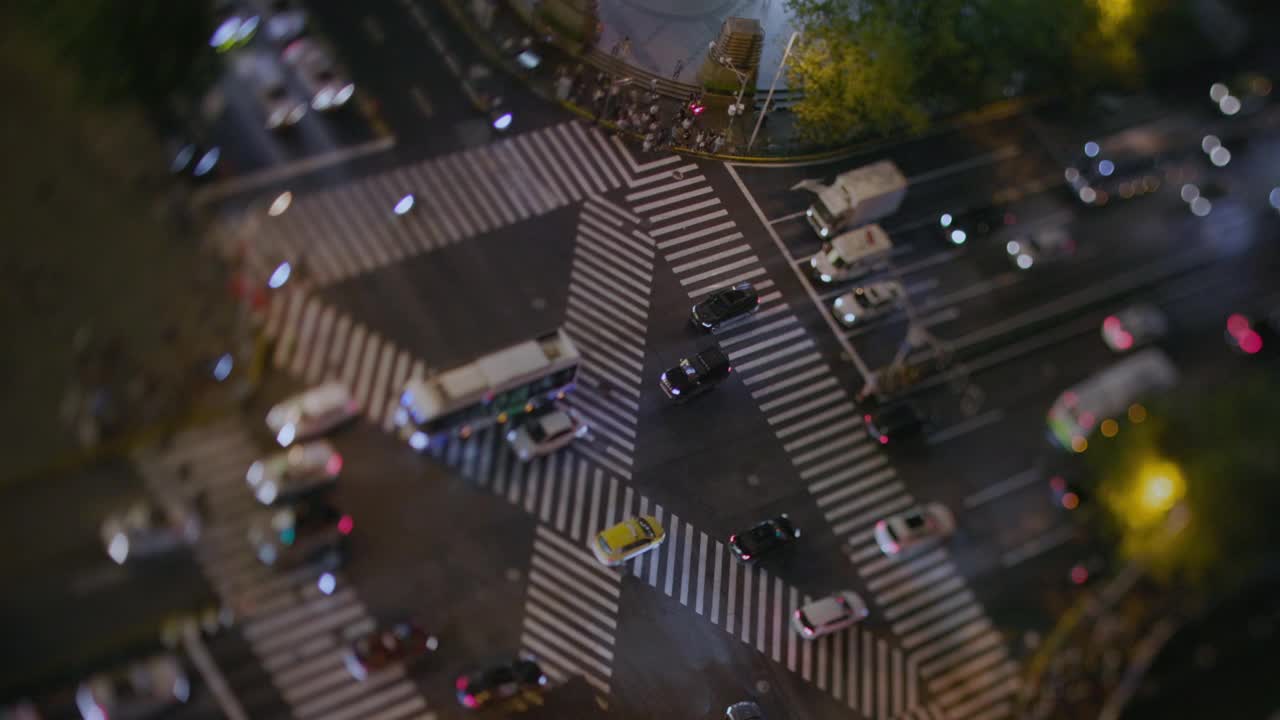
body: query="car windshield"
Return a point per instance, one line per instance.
(915, 521)
(275, 93)
(604, 544)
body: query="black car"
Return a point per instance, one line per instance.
(763, 538)
(894, 423)
(745, 710)
(725, 305)
(973, 224)
(695, 375)
(501, 681)
(300, 535)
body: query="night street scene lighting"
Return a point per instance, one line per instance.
(629, 360)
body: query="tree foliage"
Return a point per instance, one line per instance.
(140, 50)
(883, 64)
(1224, 441)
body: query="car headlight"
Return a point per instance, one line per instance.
(418, 441)
(825, 277)
(849, 318)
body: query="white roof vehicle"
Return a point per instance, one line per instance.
(298, 471)
(312, 413)
(1044, 245)
(829, 614)
(329, 86)
(903, 531)
(851, 254)
(545, 432)
(1133, 327)
(867, 302)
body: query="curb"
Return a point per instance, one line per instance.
(993, 111)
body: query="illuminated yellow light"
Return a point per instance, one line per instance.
(1137, 413)
(1110, 427)
(1160, 487)
(502, 418)
(1079, 444)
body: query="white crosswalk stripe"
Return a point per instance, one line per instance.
(295, 631)
(821, 430)
(339, 232)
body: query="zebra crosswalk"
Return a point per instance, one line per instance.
(353, 228)
(570, 611)
(820, 430)
(295, 630)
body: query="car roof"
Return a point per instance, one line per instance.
(826, 610)
(554, 423)
(713, 356)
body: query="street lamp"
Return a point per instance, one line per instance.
(773, 85)
(735, 110)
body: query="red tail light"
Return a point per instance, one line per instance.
(461, 683)
(334, 466)
(346, 525)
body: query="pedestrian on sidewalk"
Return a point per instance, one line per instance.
(675, 75)
(717, 143)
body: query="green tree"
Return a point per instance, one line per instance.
(857, 76)
(140, 50)
(1223, 442)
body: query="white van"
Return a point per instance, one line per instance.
(852, 254)
(1107, 394)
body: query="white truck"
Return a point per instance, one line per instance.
(852, 254)
(857, 197)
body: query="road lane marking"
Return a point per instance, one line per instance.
(374, 30)
(967, 426)
(1005, 153)
(1038, 546)
(213, 679)
(786, 218)
(1002, 488)
(287, 171)
(422, 102)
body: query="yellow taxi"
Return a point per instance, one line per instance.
(629, 538)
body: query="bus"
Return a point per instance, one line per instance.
(1106, 395)
(1131, 163)
(491, 389)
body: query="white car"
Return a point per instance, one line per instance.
(1044, 245)
(143, 689)
(830, 614)
(901, 532)
(867, 302)
(312, 413)
(329, 86)
(545, 432)
(281, 108)
(293, 473)
(1133, 327)
(150, 528)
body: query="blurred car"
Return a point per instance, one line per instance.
(311, 413)
(285, 21)
(764, 538)
(294, 473)
(502, 681)
(400, 642)
(1244, 95)
(1242, 335)
(628, 539)
(194, 159)
(328, 85)
(830, 614)
(1041, 246)
(694, 376)
(1065, 493)
(280, 107)
(150, 528)
(482, 89)
(301, 535)
(973, 224)
(894, 423)
(725, 306)
(1201, 197)
(1134, 327)
(868, 302)
(745, 710)
(143, 689)
(903, 531)
(544, 431)
(235, 26)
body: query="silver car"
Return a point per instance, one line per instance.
(150, 528)
(830, 614)
(329, 86)
(142, 689)
(1134, 327)
(293, 473)
(867, 302)
(545, 432)
(901, 532)
(312, 413)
